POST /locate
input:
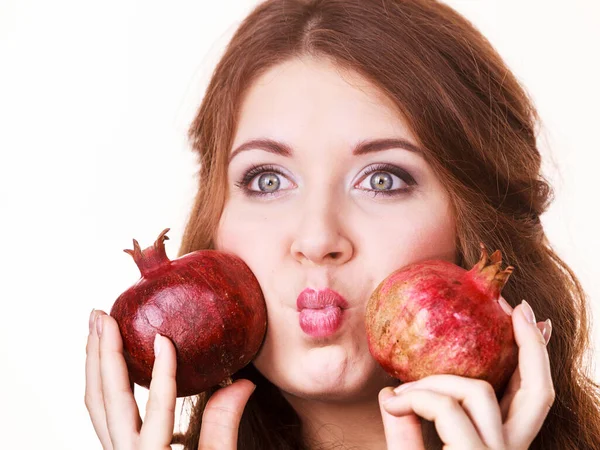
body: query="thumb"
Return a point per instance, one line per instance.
(400, 432)
(222, 415)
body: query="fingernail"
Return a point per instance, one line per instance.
(92, 317)
(404, 387)
(99, 324)
(528, 312)
(386, 395)
(156, 345)
(505, 306)
(547, 331)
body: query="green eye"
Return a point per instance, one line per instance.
(387, 179)
(381, 181)
(268, 182)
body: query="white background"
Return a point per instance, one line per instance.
(95, 100)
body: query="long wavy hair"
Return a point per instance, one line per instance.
(477, 126)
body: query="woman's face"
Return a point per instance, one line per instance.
(302, 212)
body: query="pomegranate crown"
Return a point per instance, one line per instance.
(153, 257)
(490, 277)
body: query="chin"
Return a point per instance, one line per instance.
(364, 391)
(324, 374)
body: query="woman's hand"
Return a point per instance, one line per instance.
(114, 412)
(466, 412)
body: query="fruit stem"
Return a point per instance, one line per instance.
(152, 258)
(490, 278)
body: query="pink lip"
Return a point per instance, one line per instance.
(321, 312)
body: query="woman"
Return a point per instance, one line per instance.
(340, 140)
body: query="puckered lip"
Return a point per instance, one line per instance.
(310, 298)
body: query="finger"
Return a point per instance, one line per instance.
(159, 421)
(513, 386)
(453, 425)
(401, 432)
(94, 401)
(546, 329)
(532, 401)
(514, 383)
(476, 397)
(222, 415)
(122, 414)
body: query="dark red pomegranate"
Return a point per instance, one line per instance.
(208, 302)
(434, 317)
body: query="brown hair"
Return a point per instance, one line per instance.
(477, 126)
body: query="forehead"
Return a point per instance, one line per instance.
(307, 99)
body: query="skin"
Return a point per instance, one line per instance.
(321, 226)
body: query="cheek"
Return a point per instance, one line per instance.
(435, 238)
(242, 228)
(427, 233)
(256, 238)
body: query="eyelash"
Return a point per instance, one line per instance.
(394, 170)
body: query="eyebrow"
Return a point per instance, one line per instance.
(362, 148)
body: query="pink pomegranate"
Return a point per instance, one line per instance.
(434, 317)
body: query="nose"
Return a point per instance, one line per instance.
(320, 238)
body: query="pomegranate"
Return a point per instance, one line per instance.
(434, 317)
(208, 302)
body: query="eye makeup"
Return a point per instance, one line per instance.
(252, 173)
(399, 172)
(405, 177)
